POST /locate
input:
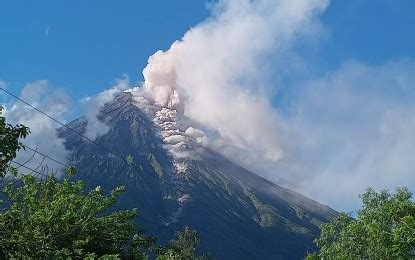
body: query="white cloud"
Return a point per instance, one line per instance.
(53, 102)
(43, 136)
(92, 107)
(46, 32)
(357, 128)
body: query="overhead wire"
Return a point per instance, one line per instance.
(88, 139)
(81, 135)
(93, 142)
(114, 206)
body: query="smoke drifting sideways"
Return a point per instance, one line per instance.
(216, 75)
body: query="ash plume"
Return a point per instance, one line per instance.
(216, 76)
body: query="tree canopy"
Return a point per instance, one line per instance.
(9, 142)
(58, 219)
(183, 247)
(51, 218)
(383, 229)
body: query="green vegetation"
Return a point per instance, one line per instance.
(384, 229)
(156, 165)
(9, 142)
(130, 160)
(52, 219)
(267, 217)
(183, 247)
(48, 218)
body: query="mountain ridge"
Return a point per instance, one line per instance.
(239, 214)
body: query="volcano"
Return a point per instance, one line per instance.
(237, 214)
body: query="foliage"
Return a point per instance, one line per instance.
(183, 247)
(384, 229)
(156, 165)
(9, 142)
(130, 160)
(49, 219)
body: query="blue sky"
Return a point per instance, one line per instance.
(84, 45)
(373, 31)
(329, 110)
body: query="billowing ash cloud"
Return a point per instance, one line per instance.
(216, 74)
(43, 137)
(92, 106)
(345, 131)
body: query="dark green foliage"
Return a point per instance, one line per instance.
(9, 142)
(238, 214)
(49, 219)
(58, 219)
(384, 229)
(52, 219)
(183, 247)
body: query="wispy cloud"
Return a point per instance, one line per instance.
(356, 125)
(46, 31)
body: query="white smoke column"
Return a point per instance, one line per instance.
(215, 75)
(53, 102)
(93, 105)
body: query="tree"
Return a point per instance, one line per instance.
(384, 229)
(57, 219)
(183, 247)
(9, 142)
(52, 218)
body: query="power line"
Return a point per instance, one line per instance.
(114, 206)
(100, 182)
(64, 125)
(93, 142)
(63, 164)
(83, 136)
(74, 131)
(71, 129)
(95, 180)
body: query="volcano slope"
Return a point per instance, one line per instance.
(237, 214)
